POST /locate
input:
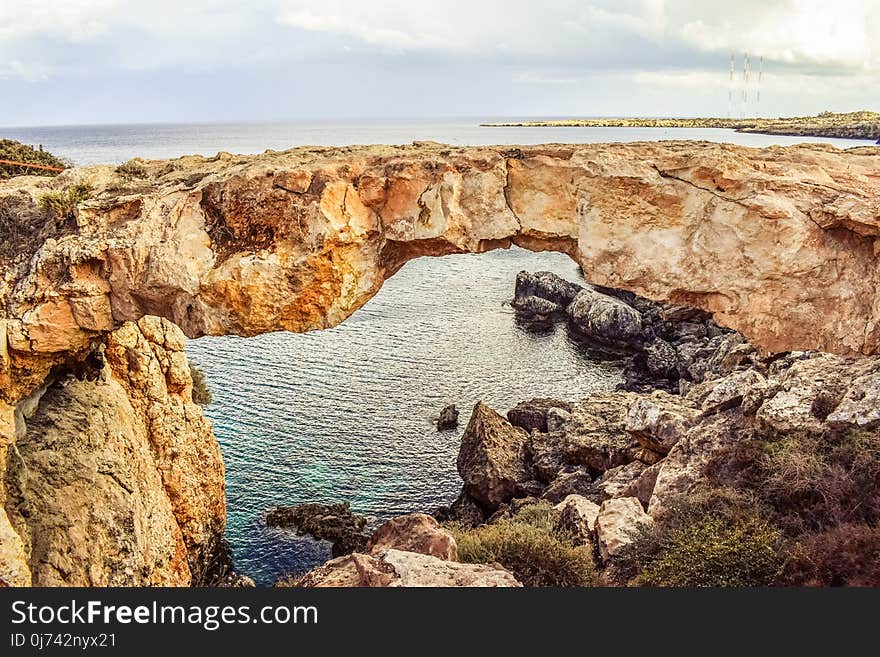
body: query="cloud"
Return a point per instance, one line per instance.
(16, 69)
(812, 32)
(284, 57)
(71, 20)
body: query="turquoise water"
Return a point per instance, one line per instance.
(345, 413)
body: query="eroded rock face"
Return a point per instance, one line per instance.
(118, 480)
(775, 242)
(778, 243)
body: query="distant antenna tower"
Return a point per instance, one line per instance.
(758, 87)
(730, 88)
(745, 91)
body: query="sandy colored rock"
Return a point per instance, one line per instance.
(14, 568)
(416, 532)
(577, 517)
(394, 568)
(595, 433)
(118, 480)
(617, 524)
(659, 421)
(492, 458)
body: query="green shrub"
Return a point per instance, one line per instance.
(715, 551)
(201, 393)
(18, 152)
(132, 169)
(62, 205)
(528, 546)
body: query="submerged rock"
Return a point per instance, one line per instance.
(330, 522)
(448, 418)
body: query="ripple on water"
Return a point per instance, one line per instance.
(345, 413)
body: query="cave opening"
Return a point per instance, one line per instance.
(345, 414)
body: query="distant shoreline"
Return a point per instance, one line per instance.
(851, 125)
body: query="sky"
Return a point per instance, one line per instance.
(66, 62)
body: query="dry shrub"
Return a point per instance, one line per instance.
(708, 537)
(816, 483)
(62, 205)
(528, 546)
(18, 152)
(715, 551)
(847, 555)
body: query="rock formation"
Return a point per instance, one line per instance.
(778, 243)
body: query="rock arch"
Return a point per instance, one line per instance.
(779, 243)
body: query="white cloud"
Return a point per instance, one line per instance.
(17, 70)
(73, 20)
(817, 32)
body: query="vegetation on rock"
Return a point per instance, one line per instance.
(17, 152)
(62, 204)
(201, 392)
(527, 545)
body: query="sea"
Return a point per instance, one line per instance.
(345, 414)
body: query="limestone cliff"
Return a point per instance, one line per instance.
(116, 480)
(779, 243)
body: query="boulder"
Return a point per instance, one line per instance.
(729, 392)
(492, 458)
(415, 532)
(557, 417)
(860, 406)
(685, 465)
(616, 480)
(571, 480)
(532, 415)
(395, 568)
(806, 391)
(577, 517)
(605, 318)
(661, 359)
(330, 522)
(448, 418)
(546, 455)
(642, 487)
(543, 292)
(595, 434)
(657, 422)
(463, 510)
(618, 523)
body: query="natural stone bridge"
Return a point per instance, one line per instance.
(779, 243)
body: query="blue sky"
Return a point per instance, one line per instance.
(117, 61)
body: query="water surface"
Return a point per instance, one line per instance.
(345, 413)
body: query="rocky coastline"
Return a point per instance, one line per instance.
(110, 473)
(848, 125)
(688, 460)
